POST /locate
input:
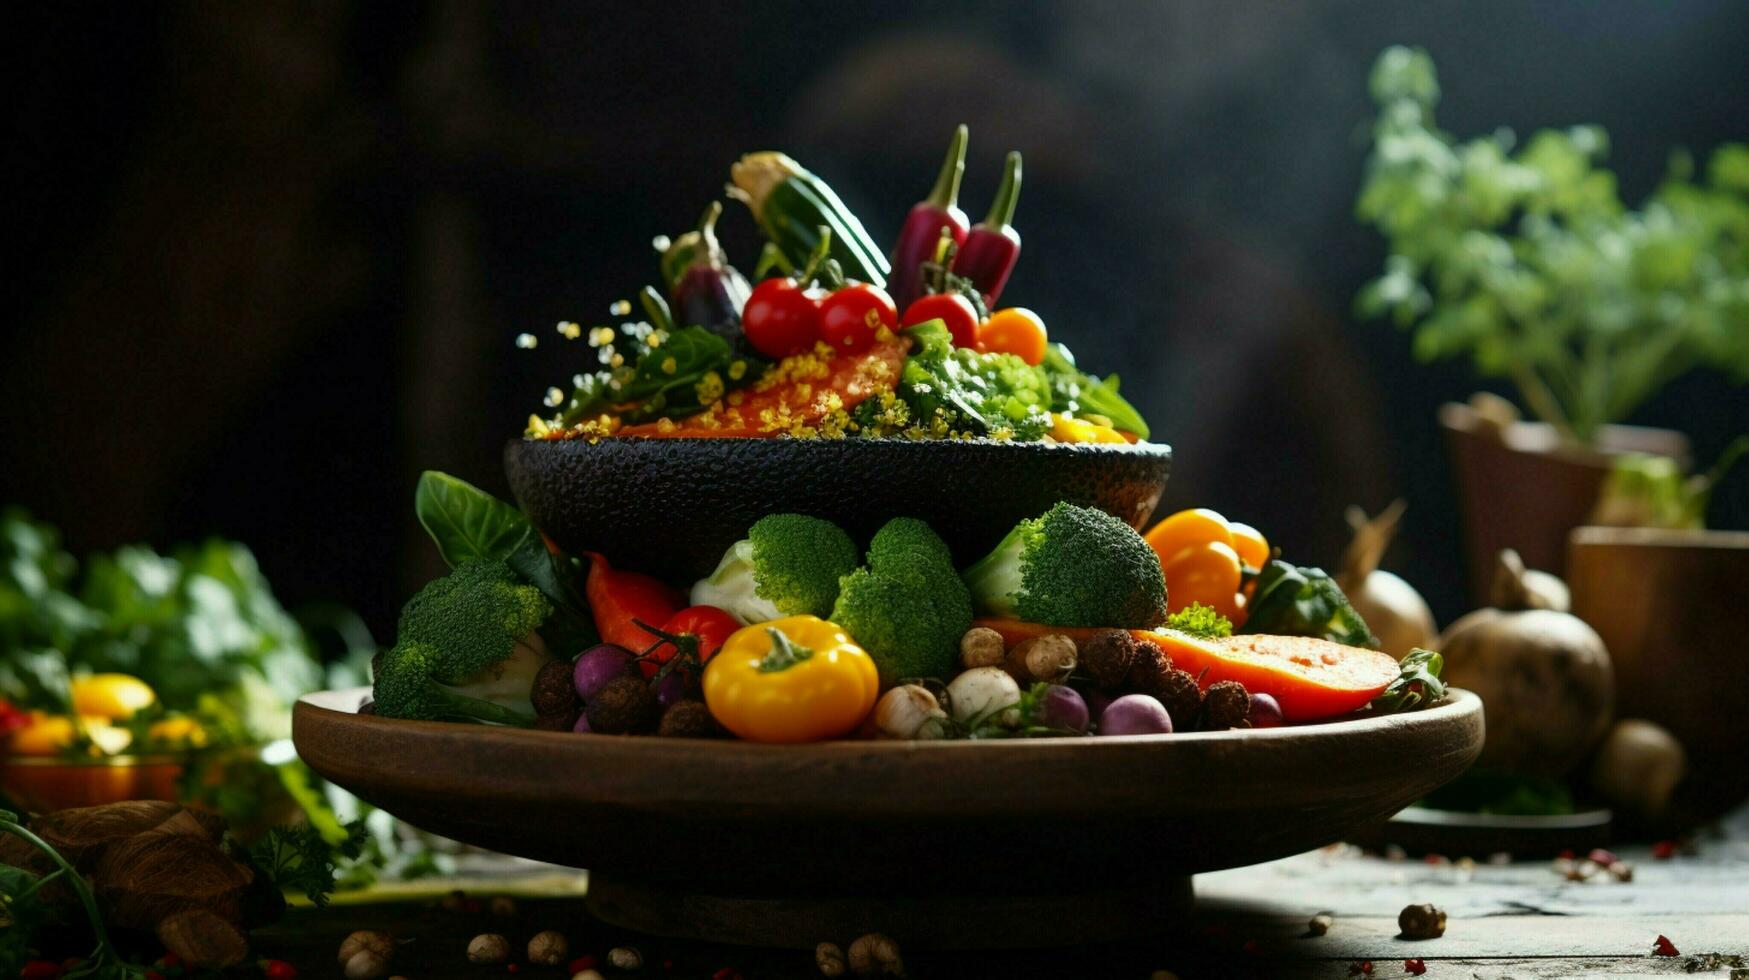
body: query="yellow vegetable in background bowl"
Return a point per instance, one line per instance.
(116, 697)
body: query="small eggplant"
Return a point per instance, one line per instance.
(704, 289)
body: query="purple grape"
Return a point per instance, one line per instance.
(1135, 714)
(672, 687)
(1062, 707)
(1265, 711)
(597, 666)
(581, 726)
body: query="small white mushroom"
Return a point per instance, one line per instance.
(975, 693)
(981, 647)
(909, 711)
(1042, 658)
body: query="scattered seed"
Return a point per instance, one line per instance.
(1320, 924)
(625, 958)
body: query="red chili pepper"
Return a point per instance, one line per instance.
(923, 226)
(950, 308)
(618, 598)
(39, 970)
(1664, 947)
(1416, 967)
(851, 317)
(781, 318)
(701, 630)
(992, 247)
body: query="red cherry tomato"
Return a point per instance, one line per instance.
(781, 318)
(952, 308)
(703, 627)
(850, 317)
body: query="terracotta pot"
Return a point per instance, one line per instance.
(1669, 607)
(1520, 486)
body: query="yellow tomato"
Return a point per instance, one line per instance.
(796, 679)
(1068, 428)
(176, 731)
(1252, 546)
(113, 696)
(48, 734)
(1188, 528)
(1015, 331)
(1207, 573)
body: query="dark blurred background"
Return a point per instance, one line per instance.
(269, 258)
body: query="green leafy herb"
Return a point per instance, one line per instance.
(299, 858)
(1524, 258)
(657, 373)
(980, 394)
(1654, 491)
(1417, 686)
(467, 522)
(1078, 393)
(1294, 601)
(1200, 621)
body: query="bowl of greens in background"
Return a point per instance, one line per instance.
(672, 506)
(140, 675)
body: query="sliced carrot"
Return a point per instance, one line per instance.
(1312, 679)
(801, 393)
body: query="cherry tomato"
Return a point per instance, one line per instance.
(781, 318)
(1015, 331)
(703, 628)
(953, 309)
(1186, 528)
(1207, 573)
(850, 317)
(1252, 546)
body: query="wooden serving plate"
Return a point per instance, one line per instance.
(941, 844)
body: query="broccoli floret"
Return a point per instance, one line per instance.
(466, 649)
(788, 565)
(1074, 566)
(908, 608)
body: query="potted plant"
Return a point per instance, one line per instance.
(1522, 257)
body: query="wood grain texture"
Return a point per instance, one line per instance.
(891, 820)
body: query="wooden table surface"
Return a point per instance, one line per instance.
(1522, 920)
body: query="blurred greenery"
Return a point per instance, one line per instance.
(1524, 258)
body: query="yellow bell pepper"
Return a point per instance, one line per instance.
(796, 679)
(113, 696)
(1068, 428)
(47, 734)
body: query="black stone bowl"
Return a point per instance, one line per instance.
(671, 507)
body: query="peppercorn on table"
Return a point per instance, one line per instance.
(1528, 919)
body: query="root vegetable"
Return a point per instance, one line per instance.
(1041, 658)
(981, 647)
(1638, 768)
(689, 719)
(909, 711)
(1518, 587)
(1135, 714)
(1107, 656)
(625, 958)
(1544, 678)
(597, 666)
(1225, 705)
(1062, 708)
(978, 692)
(1395, 612)
(625, 706)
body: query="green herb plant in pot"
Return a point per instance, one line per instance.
(1523, 258)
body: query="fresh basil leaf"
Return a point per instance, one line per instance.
(467, 522)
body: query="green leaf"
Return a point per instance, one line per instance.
(1293, 601)
(1416, 686)
(467, 522)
